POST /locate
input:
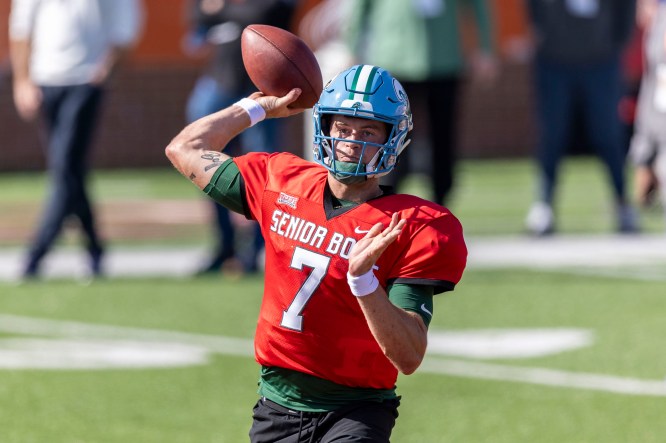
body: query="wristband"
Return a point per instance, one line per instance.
(253, 109)
(363, 284)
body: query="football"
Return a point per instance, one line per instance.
(277, 61)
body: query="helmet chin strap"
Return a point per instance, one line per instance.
(348, 167)
(347, 170)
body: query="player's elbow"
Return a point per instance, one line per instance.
(172, 151)
(177, 153)
(409, 365)
(409, 360)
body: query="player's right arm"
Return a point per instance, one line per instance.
(196, 152)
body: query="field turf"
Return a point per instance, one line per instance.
(501, 399)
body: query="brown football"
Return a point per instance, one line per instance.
(277, 61)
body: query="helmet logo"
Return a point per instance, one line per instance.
(356, 105)
(399, 91)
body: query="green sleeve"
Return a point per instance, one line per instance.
(225, 186)
(416, 298)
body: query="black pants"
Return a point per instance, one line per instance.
(596, 89)
(370, 422)
(70, 114)
(438, 99)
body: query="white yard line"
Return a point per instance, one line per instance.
(544, 376)
(54, 328)
(243, 347)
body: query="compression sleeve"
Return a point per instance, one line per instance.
(225, 186)
(416, 298)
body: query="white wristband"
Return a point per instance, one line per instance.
(363, 284)
(253, 109)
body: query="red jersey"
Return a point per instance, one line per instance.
(309, 320)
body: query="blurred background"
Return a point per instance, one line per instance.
(142, 200)
(147, 107)
(494, 121)
(553, 338)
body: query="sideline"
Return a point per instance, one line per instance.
(569, 251)
(640, 257)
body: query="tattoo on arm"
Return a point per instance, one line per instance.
(192, 176)
(214, 157)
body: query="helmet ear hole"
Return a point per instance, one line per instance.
(326, 124)
(389, 130)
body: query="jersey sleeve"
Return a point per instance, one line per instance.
(434, 255)
(254, 170)
(415, 298)
(225, 187)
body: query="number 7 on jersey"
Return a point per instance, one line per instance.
(292, 318)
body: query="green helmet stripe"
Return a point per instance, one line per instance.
(362, 82)
(357, 74)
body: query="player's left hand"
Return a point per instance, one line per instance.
(367, 250)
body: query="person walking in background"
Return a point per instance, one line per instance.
(648, 144)
(215, 31)
(577, 64)
(351, 268)
(63, 54)
(421, 43)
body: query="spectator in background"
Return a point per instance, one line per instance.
(420, 42)
(648, 145)
(577, 64)
(63, 53)
(215, 31)
(632, 71)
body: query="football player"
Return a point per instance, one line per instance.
(351, 267)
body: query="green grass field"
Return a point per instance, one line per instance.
(567, 396)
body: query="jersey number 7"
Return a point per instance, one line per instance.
(292, 318)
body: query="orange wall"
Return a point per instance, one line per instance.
(510, 18)
(4, 14)
(163, 31)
